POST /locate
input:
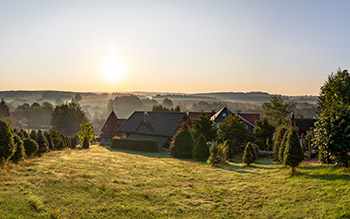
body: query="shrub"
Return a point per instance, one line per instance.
(292, 154)
(25, 134)
(218, 153)
(148, 145)
(183, 145)
(201, 149)
(20, 153)
(7, 145)
(282, 147)
(248, 155)
(252, 150)
(232, 151)
(49, 141)
(278, 141)
(56, 138)
(86, 143)
(42, 142)
(33, 135)
(30, 146)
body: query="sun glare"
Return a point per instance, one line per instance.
(112, 70)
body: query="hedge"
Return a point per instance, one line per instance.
(135, 144)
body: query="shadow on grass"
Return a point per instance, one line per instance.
(142, 153)
(326, 172)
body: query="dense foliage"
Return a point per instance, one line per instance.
(42, 143)
(249, 154)
(7, 145)
(264, 131)
(201, 149)
(276, 111)
(19, 153)
(283, 146)
(86, 134)
(278, 140)
(234, 129)
(332, 128)
(183, 144)
(204, 126)
(68, 118)
(30, 146)
(147, 145)
(292, 153)
(4, 109)
(218, 153)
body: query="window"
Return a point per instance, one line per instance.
(106, 126)
(224, 114)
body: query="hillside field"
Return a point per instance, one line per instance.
(106, 183)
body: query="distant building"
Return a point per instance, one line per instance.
(110, 128)
(248, 118)
(159, 126)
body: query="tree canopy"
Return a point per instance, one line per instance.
(204, 126)
(233, 129)
(276, 111)
(4, 109)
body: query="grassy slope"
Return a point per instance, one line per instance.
(103, 183)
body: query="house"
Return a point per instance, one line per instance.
(109, 129)
(304, 125)
(248, 118)
(196, 115)
(159, 126)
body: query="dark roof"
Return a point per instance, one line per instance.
(112, 123)
(196, 115)
(249, 118)
(221, 114)
(304, 125)
(152, 123)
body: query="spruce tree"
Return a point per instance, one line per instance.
(42, 142)
(201, 149)
(183, 145)
(30, 146)
(214, 154)
(282, 146)
(278, 140)
(292, 154)
(50, 142)
(7, 145)
(248, 156)
(33, 135)
(56, 138)
(25, 134)
(20, 152)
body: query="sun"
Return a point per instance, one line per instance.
(112, 70)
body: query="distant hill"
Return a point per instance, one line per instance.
(48, 94)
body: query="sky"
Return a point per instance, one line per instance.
(185, 46)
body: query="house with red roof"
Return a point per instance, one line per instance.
(110, 128)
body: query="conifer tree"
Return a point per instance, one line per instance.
(20, 153)
(86, 143)
(214, 154)
(278, 140)
(49, 141)
(293, 154)
(183, 144)
(7, 145)
(34, 135)
(201, 149)
(282, 146)
(30, 147)
(4, 109)
(42, 142)
(248, 156)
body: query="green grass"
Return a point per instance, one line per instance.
(106, 183)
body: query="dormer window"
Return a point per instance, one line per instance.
(106, 126)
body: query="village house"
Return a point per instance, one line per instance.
(159, 126)
(110, 128)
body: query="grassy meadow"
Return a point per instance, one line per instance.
(107, 183)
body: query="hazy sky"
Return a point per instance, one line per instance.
(278, 46)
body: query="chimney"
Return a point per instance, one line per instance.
(145, 117)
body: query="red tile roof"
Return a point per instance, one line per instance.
(112, 124)
(250, 117)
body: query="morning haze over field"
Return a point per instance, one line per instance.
(172, 46)
(174, 109)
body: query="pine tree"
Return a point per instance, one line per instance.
(248, 156)
(4, 109)
(292, 154)
(43, 143)
(278, 140)
(7, 145)
(283, 146)
(30, 146)
(56, 139)
(20, 153)
(201, 149)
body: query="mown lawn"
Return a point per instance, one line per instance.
(105, 183)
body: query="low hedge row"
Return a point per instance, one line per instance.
(135, 144)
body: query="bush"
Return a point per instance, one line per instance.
(25, 134)
(7, 145)
(218, 153)
(42, 142)
(232, 149)
(248, 155)
(252, 150)
(292, 153)
(30, 146)
(183, 145)
(56, 139)
(278, 141)
(20, 152)
(201, 149)
(282, 147)
(86, 143)
(33, 135)
(148, 145)
(49, 141)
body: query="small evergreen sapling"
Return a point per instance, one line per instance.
(278, 141)
(292, 154)
(20, 153)
(213, 158)
(282, 146)
(201, 149)
(183, 144)
(86, 144)
(7, 145)
(42, 142)
(248, 156)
